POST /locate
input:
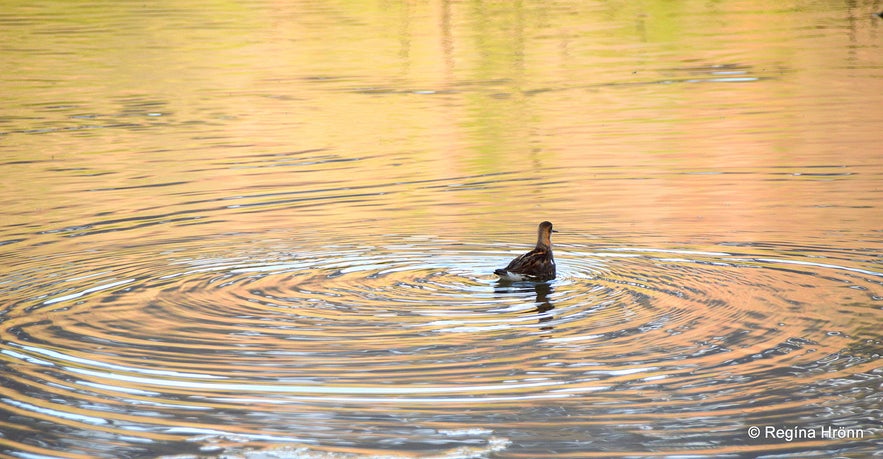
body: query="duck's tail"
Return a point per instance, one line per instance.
(510, 276)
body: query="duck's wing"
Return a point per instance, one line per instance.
(534, 264)
(521, 262)
(513, 269)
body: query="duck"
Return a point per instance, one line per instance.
(536, 265)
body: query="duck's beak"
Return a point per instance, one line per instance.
(554, 231)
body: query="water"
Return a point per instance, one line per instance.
(263, 230)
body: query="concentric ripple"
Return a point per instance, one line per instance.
(252, 349)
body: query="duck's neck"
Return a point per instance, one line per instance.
(544, 239)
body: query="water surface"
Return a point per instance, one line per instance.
(267, 230)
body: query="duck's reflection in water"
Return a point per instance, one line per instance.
(542, 290)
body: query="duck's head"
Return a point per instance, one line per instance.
(544, 234)
(546, 227)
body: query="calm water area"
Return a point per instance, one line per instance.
(265, 229)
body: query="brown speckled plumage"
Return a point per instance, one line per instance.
(536, 265)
